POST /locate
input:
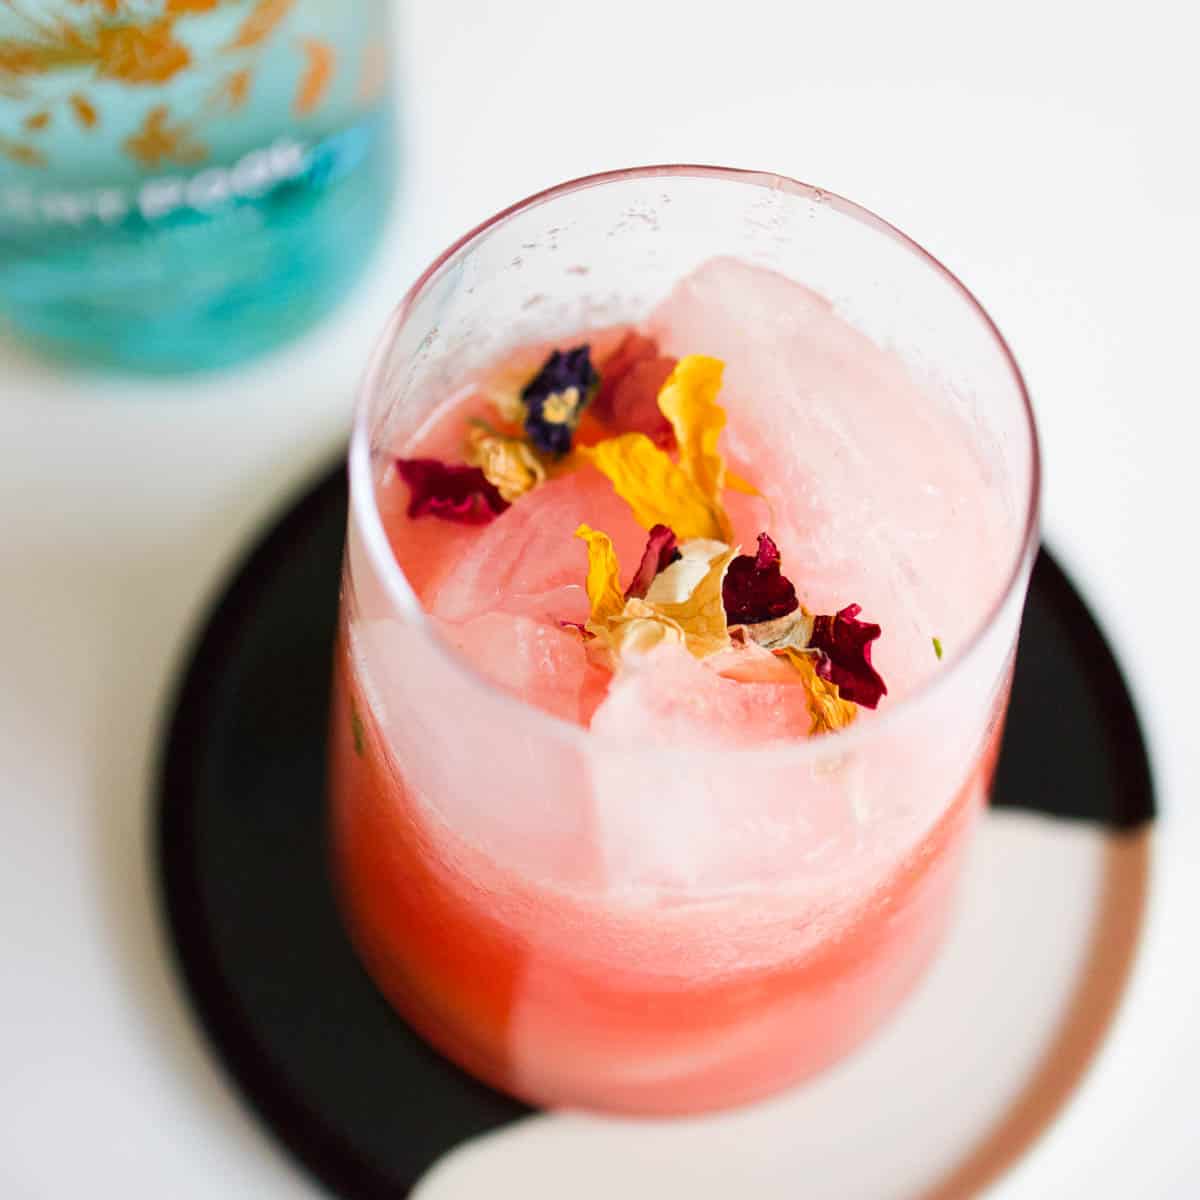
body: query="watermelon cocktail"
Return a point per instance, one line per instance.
(691, 517)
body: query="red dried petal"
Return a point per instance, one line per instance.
(768, 555)
(755, 589)
(844, 655)
(633, 348)
(660, 552)
(630, 380)
(452, 492)
(635, 401)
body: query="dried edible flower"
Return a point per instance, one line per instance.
(660, 552)
(555, 397)
(508, 462)
(604, 575)
(755, 588)
(843, 645)
(452, 492)
(702, 614)
(635, 405)
(630, 380)
(684, 495)
(655, 488)
(678, 580)
(735, 483)
(689, 401)
(792, 631)
(632, 349)
(828, 710)
(832, 654)
(641, 627)
(634, 624)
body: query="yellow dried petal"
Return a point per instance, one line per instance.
(735, 483)
(658, 491)
(509, 463)
(603, 578)
(702, 615)
(689, 401)
(828, 710)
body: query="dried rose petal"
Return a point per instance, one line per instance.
(635, 402)
(630, 380)
(556, 396)
(844, 655)
(660, 552)
(452, 492)
(633, 348)
(755, 589)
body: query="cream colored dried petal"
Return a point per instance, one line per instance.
(794, 630)
(641, 628)
(702, 614)
(676, 582)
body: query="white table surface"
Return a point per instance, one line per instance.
(1045, 152)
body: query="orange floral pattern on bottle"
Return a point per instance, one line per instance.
(314, 82)
(147, 53)
(22, 154)
(158, 141)
(84, 110)
(234, 90)
(264, 19)
(141, 54)
(114, 8)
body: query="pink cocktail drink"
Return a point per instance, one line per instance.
(636, 823)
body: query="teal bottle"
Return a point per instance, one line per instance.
(187, 183)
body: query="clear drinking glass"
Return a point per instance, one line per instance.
(657, 929)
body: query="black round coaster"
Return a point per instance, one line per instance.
(338, 1077)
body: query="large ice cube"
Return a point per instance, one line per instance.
(686, 805)
(874, 490)
(670, 698)
(542, 663)
(532, 549)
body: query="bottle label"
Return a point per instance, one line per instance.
(248, 178)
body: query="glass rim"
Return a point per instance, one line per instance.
(364, 508)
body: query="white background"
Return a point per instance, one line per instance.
(1047, 153)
